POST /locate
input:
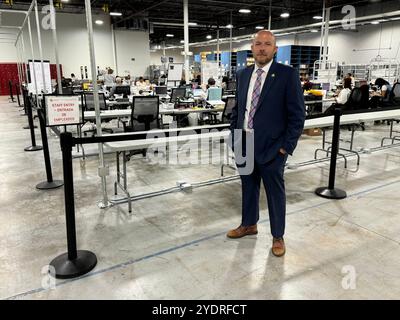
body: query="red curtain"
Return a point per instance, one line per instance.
(9, 71)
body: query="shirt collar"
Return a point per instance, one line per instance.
(265, 68)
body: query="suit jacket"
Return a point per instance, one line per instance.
(280, 114)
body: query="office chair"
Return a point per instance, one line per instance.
(89, 106)
(395, 94)
(64, 90)
(177, 93)
(144, 117)
(226, 114)
(145, 114)
(229, 105)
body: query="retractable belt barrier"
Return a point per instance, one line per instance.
(75, 262)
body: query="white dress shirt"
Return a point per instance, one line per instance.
(343, 96)
(251, 87)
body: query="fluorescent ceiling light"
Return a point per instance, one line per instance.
(314, 30)
(209, 37)
(169, 35)
(317, 17)
(99, 22)
(192, 23)
(259, 27)
(285, 15)
(375, 22)
(116, 14)
(229, 26)
(182, 41)
(64, 0)
(396, 18)
(244, 10)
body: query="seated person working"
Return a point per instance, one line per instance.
(141, 84)
(382, 96)
(118, 83)
(344, 94)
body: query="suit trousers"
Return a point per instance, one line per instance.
(271, 174)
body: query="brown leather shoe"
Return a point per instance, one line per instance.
(278, 247)
(242, 231)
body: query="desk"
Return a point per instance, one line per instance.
(121, 147)
(119, 113)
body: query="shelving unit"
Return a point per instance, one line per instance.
(301, 58)
(325, 71)
(244, 58)
(387, 69)
(203, 56)
(359, 71)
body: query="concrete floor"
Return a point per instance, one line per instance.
(174, 246)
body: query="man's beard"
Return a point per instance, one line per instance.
(264, 59)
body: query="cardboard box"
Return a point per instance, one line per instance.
(313, 132)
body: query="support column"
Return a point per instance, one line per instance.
(103, 170)
(186, 38)
(40, 48)
(269, 15)
(55, 41)
(326, 35)
(219, 69)
(230, 48)
(114, 47)
(33, 60)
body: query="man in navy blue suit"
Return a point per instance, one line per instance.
(269, 108)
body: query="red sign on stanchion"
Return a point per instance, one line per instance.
(63, 110)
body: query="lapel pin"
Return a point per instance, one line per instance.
(273, 75)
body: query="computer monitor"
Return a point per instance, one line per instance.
(316, 86)
(124, 90)
(161, 90)
(326, 86)
(214, 94)
(177, 93)
(231, 86)
(197, 92)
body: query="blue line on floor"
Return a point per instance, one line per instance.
(184, 245)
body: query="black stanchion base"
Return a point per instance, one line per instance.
(67, 269)
(35, 148)
(50, 185)
(28, 127)
(325, 192)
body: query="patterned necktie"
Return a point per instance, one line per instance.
(255, 97)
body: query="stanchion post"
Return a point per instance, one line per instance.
(331, 192)
(33, 147)
(24, 94)
(18, 91)
(75, 262)
(11, 91)
(50, 183)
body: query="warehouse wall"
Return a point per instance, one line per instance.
(74, 48)
(358, 46)
(155, 56)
